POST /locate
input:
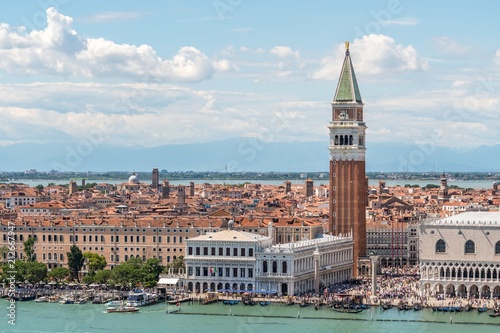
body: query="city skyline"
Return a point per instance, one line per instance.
(149, 74)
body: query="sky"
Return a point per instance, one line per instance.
(150, 73)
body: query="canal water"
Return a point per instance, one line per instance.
(219, 318)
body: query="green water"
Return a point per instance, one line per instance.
(219, 318)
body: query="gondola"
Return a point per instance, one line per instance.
(264, 303)
(347, 310)
(230, 301)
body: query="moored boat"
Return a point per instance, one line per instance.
(42, 299)
(139, 297)
(122, 309)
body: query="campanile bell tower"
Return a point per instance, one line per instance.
(347, 161)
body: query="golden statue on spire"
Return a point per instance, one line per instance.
(347, 46)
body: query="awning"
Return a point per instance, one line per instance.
(169, 281)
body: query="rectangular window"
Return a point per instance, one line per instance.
(250, 252)
(235, 251)
(197, 251)
(228, 272)
(235, 271)
(205, 271)
(228, 251)
(242, 252)
(219, 270)
(154, 239)
(205, 251)
(112, 238)
(117, 238)
(126, 238)
(221, 251)
(144, 239)
(190, 250)
(242, 272)
(180, 239)
(250, 272)
(190, 271)
(198, 271)
(212, 251)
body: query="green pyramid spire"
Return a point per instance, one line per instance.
(347, 88)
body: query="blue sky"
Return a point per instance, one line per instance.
(148, 73)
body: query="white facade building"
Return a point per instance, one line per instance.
(240, 261)
(305, 266)
(460, 255)
(223, 260)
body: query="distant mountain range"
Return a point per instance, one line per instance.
(242, 154)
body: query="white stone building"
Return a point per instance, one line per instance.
(240, 261)
(305, 266)
(460, 255)
(223, 260)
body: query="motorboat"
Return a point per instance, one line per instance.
(124, 308)
(139, 297)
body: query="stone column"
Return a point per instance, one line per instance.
(317, 256)
(374, 274)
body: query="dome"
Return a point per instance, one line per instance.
(133, 179)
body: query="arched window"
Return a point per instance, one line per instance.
(275, 266)
(350, 140)
(264, 266)
(341, 140)
(336, 142)
(440, 246)
(497, 248)
(470, 247)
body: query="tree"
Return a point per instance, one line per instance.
(88, 279)
(39, 187)
(128, 273)
(95, 262)
(29, 249)
(59, 273)
(152, 269)
(4, 250)
(102, 276)
(35, 272)
(176, 264)
(75, 262)
(19, 271)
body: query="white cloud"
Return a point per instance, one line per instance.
(149, 114)
(59, 50)
(372, 54)
(497, 57)
(447, 45)
(285, 52)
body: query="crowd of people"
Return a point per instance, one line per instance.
(395, 285)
